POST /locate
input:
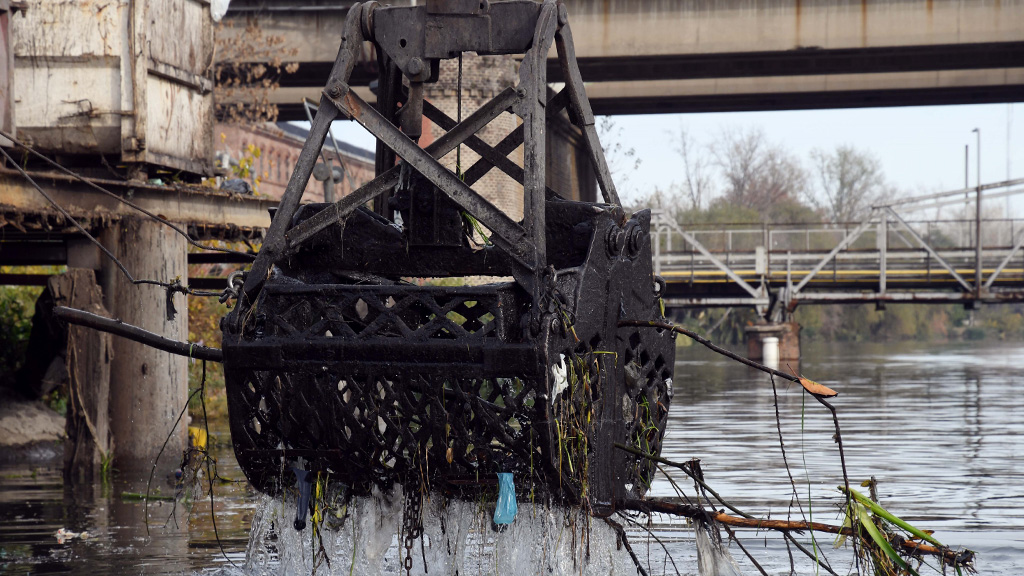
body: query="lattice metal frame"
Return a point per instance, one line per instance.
(334, 362)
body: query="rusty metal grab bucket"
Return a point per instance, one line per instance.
(336, 361)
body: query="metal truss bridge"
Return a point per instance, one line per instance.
(887, 257)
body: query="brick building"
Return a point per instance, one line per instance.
(279, 146)
(568, 169)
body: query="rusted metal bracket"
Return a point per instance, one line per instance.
(581, 105)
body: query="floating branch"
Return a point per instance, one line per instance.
(949, 556)
(118, 328)
(817, 391)
(872, 535)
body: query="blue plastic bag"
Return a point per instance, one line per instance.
(305, 486)
(505, 510)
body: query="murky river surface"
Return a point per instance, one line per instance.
(938, 425)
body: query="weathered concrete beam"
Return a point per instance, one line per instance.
(610, 28)
(189, 205)
(931, 88)
(651, 56)
(619, 28)
(809, 92)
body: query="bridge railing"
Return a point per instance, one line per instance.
(886, 256)
(809, 238)
(876, 258)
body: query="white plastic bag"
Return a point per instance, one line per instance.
(218, 8)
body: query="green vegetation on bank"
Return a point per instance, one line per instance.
(17, 305)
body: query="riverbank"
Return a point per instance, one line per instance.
(29, 430)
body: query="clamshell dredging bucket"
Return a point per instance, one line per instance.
(339, 359)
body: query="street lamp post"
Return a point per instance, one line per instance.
(977, 223)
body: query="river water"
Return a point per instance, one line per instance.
(937, 425)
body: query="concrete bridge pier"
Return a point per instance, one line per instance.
(788, 334)
(148, 388)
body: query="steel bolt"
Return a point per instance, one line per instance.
(635, 240)
(614, 240)
(334, 91)
(415, 67)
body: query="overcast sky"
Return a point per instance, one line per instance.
(921, 148)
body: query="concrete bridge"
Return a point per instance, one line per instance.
(658, 56)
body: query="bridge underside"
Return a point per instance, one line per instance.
(726, 295)
(36, 234)
(656, 57)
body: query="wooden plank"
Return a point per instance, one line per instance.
(180, 35)
(179, 126)
(6, 69)
(134, 72)
(59, 28)
(71, 106)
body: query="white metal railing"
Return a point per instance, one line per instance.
(880, 248)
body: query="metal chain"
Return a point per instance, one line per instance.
(412, 523)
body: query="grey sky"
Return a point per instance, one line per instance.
(921, 148)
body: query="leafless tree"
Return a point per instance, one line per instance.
(249, 65)
(667, 200)
(698, 182)
(756, 173)
(622, 161)
(848, 182)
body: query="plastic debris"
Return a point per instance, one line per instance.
(63, 535)
(305, 490)
(506, 508)
(713, 559)
(560, 380)
(218, 8)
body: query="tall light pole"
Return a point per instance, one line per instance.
(977, 223)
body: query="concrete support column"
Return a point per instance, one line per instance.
(788, 334)
(148, 388)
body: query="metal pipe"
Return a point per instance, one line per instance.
(967, 169)
(118, 328)
(977, 221)
(882, 240)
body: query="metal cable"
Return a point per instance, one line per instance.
(171, 287)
